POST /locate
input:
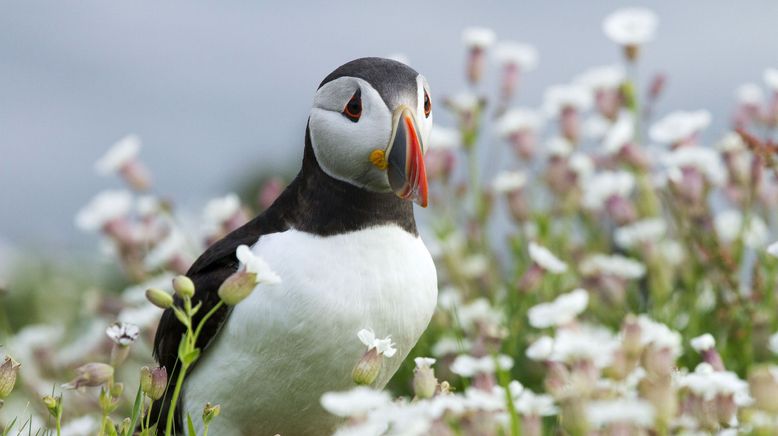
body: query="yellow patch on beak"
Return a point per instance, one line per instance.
(378, 158)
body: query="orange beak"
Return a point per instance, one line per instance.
(406, 171)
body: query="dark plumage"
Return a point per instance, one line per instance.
(315, 203)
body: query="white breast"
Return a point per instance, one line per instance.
(287, 344)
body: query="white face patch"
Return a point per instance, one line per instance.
(342, 146)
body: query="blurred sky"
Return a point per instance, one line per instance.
(218, 90)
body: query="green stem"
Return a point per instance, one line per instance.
(205, 318)
(205, 430)
(174, 399)
(148, 415)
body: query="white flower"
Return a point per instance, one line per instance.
(707, 383)
(479, 311)
(531, 404)
(122, 152)
(620, 134)
(448, 345)
(255, 264)
(773, 344)
(672, 251)
(104, 208)
(772, 249)
(630, 26)
(123, 333)
(489, 401)
(444, 138)
(541, 349)
(652, 332)
(356, 402)
(558, 97)
(424, 362)
(731, 142)
(705, 160)
(468, 366)
(605, 77)
(679, 126)
(602, 186)
(730, 223)
(464, 102)
(166, 250)
(478, 37)
(509, 181)
(219, 210)
(385, 347)
(147, 205)
(558, 146)
(517, 120)
(546, 259)
(640, 232)
(474, 265)
(524, 56)
(750, 94)
(703, 343)
(582, 165)
(559, 312)
(770, 77)
(585, 342)
(612, 265)
(596, 127)
(633, 411)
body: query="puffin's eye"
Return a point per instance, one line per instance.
(353, 109)
(427, 105)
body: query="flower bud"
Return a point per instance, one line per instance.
(424, 382)
(210, 412)
(184, 286)
(368, 367)
(91, 374)
(153, 381)
(237, 287)
(8, 371)
(51, 403)
(124, 427)
(117, 389)
(159, 298)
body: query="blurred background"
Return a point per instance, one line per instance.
(219, 91)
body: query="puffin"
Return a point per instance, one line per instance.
(343, 239)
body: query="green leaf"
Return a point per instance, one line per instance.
(190, 425)
(196, 308)
(136, 411)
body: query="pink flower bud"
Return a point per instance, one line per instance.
(153, 382)
(91, 374)
(136, 175)
(570, 124)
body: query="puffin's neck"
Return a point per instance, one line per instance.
(325, 206)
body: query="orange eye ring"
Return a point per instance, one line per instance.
(427, 105)
(353, 109)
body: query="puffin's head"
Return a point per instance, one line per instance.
(370, 121)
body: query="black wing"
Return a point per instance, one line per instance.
(208, 272)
